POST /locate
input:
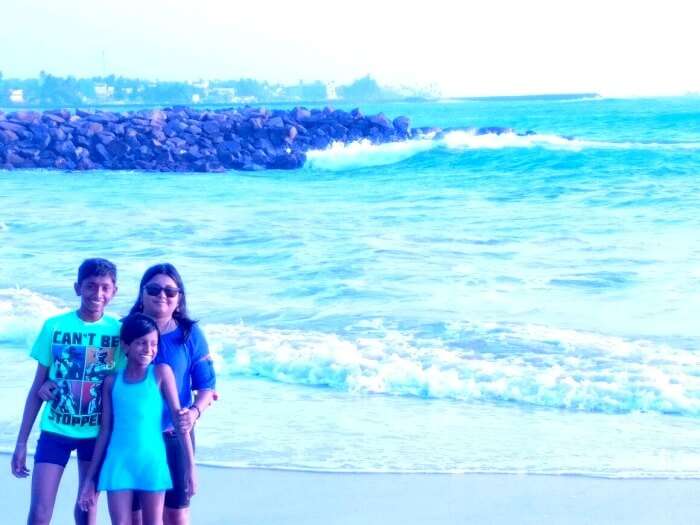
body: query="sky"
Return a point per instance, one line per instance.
(463, 47)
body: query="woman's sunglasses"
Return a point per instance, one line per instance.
(155, 289)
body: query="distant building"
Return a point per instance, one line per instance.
(17, 96)
(201, 84)
(227, 94)
(196, 98)
(104, 91)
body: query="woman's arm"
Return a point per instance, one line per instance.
(203, 380)
(168, 388)
(187, 417)
(87, 491)
(31, 409)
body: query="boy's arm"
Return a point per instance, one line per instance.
(169, 390)
(48, 390)
(31, 409)
(86, 498)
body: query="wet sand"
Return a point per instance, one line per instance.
(257, 497)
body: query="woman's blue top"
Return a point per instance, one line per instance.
(190, 362)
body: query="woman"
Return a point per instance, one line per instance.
(183, 347)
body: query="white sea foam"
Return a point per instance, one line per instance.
(363, 154)
(532, 365)
(519, 363)
(471, 140)
(21, 313)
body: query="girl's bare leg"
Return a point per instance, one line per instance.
(119, 503)
(152, 507)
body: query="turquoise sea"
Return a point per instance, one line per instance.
(472, 303)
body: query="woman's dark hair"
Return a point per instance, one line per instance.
(135, 326)
(180, 314)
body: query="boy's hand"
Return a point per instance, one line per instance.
(19, 461)
(87, 497)
(191, 481)
(185, 420)
(47, 391)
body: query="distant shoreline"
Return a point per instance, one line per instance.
(314, 102)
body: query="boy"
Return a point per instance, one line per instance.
(75, 351)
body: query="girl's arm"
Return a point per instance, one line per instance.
(87, 491)
(166, 379)
(31, 409)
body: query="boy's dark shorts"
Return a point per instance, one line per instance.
(175, 498)
(56, 449)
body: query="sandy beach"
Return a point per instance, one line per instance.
(250, 496)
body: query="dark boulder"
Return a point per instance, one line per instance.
(495, 130)
(92, 128)
(54, 118)
(41, 135)
(65, 149)
(117, 149)
(7, 136)
(101, 152)
(106, 137)
(380, 121)
(104, 117)
(402, 125)
(57, 134)
(210, 127)
(19, 129)
(24, 116)
(275, 123)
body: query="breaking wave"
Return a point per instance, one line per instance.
(364, 154)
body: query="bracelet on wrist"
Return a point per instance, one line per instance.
(199, 412)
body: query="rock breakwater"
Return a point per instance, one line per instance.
(185, 139)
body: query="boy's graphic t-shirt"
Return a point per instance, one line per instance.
(78, 355)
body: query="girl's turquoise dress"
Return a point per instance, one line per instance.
(135, 457)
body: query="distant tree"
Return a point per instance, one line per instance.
(313, 91)
(168, 93)
(249, 87)
(365, 88)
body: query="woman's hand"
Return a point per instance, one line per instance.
(88, 495)
(19, 461)
(47, 391)
(186, 418)
(191, 481)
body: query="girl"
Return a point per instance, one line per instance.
(131, 431)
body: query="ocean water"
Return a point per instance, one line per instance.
(494, 303)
